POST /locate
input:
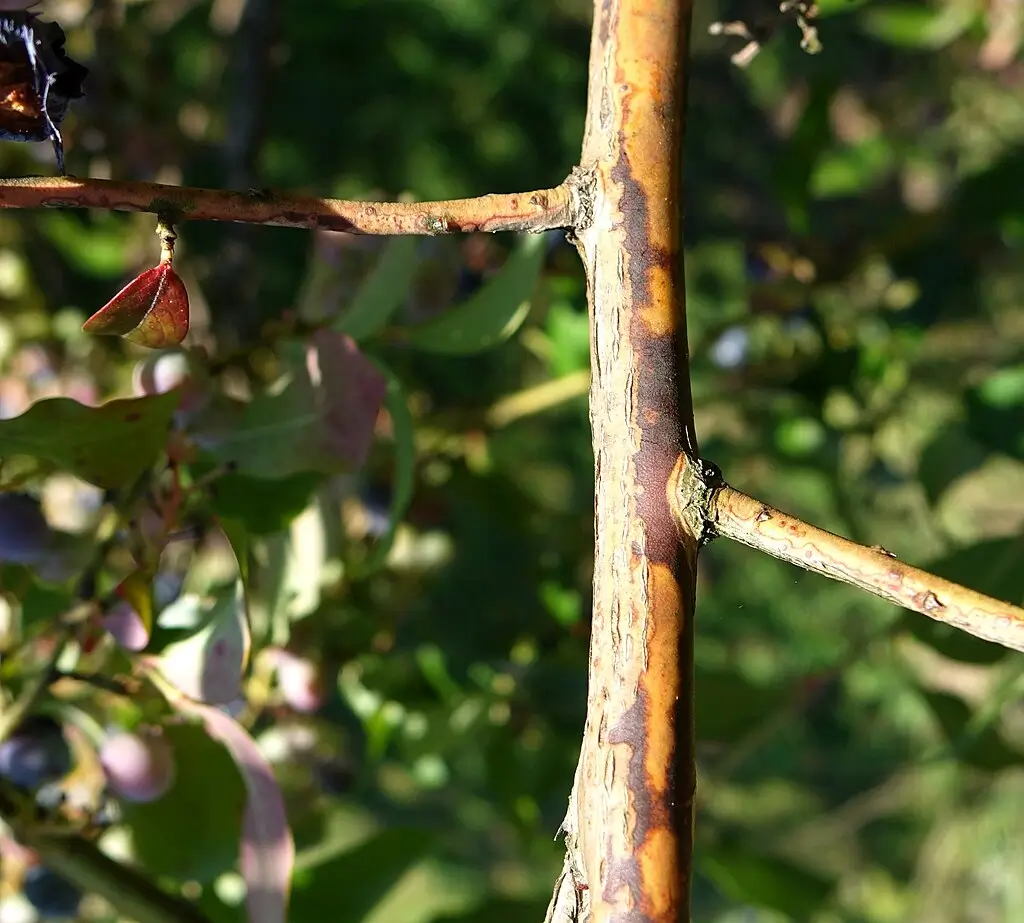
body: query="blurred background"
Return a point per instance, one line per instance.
(855, 275)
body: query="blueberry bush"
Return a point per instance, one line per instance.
(300, 605)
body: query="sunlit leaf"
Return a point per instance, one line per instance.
(108, 446)
(209, 665)
(918, 25)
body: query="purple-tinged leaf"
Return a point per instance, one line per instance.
(267, 854)
(350, 392)
(323, 420)
(108, 446)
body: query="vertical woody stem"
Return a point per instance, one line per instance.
(629, 830)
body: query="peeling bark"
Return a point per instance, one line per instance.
(629, 829)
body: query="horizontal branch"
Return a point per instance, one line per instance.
(540, 210)
(743, 519)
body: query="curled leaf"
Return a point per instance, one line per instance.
(151, 310)
(209, 665)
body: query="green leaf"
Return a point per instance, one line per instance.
(995, 411)
(766, 881)
(238, 538)
(918, 25)
(403, 479)
(568, 330)
(267, 854)
(383, 290)
(827, 8)
(492, 314)
(365, 875)
(851, 170)
(192, 832)
(979, 745)
(40, 603)
(1004, 388)
(261, 505)
(951, 454)
(96, 246)
(109, 446)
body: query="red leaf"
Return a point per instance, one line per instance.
(151, 310)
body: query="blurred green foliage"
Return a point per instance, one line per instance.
(854, 238)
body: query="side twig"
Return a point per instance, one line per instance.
(539, 210)
(744, 519)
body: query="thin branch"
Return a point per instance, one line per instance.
(82, 863)
(540, 210)
(744, 519)
(548, 394)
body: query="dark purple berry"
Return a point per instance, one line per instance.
(53, 897)
(35, 754)
(24, 533)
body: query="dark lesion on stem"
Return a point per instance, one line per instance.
(533, 210)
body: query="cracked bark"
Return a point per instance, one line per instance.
(629, 827)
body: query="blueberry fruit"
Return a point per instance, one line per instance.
(24, 533)
(35, 754)
(53, 897)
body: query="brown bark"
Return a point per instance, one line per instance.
(629, 829)
(537, 210)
